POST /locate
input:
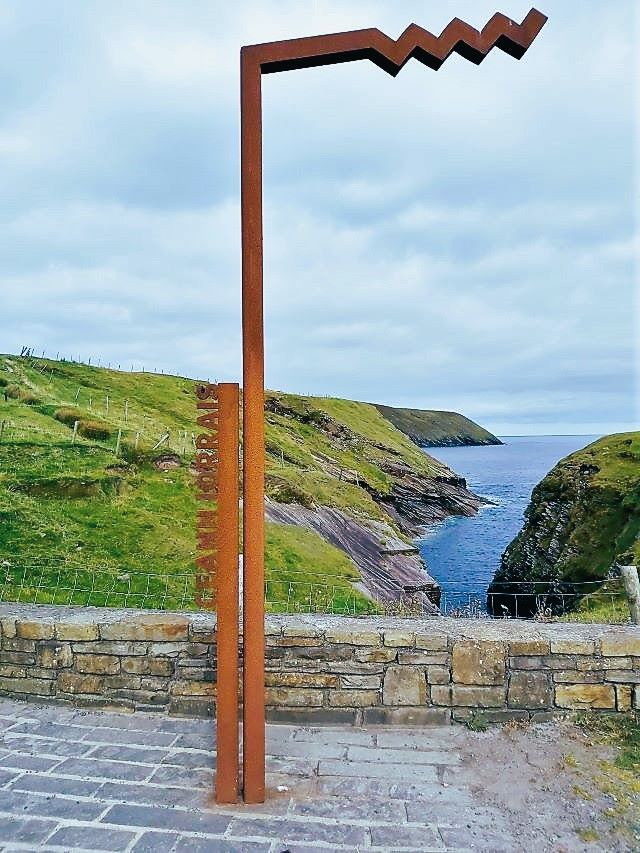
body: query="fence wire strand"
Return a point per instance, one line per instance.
(294, 591)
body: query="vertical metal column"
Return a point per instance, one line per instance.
(227, 592)
(253, 432)
(390, 55)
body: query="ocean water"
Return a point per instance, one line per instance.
(463, 553)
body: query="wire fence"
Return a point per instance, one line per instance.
(98, 586)
(163, 440)
(543, 601)
(296, 592)
(103, 416)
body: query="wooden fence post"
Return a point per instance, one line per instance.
(632, 588)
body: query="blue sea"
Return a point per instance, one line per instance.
(463, 553)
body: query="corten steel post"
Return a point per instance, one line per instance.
(256, 60)
(227, 592)
(217, 466)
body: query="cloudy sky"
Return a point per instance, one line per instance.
(460, 239)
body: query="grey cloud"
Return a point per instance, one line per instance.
(459, 239)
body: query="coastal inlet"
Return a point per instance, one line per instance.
(463, 553)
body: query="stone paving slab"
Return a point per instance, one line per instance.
(74, 781)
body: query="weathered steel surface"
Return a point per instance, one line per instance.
(206, 464)
(227, 727)
(252, 435)
(217, 465)
(390, 55)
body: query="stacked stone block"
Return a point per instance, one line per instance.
(323, 669)
(442, 670)
(139, 662)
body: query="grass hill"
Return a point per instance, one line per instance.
(584, 516)
(429, 428)
(93, 518)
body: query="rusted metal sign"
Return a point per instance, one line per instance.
(256, 60)
(217, 466)
(206, 463)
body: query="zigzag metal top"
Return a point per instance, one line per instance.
(391, 55)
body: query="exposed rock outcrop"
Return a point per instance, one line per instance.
(583, 517)
(391, 570)
(346, 473)
(417, 501)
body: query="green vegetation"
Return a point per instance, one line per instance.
(338, 453)
(428, 428)
(584, 517)
(305, 573)
(477, 723)
(605, 518)
(316, 426)
(621, 731)
(79, 524)
(607, 605)
(619, 778)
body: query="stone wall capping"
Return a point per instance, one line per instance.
(362, 637)
(614, 644)
(301, 629)
(319, 668)
(77, 631)
(573, 647)
(148, 626)
(8, 627)
(399, 639)
(529, 647)
(35, 630)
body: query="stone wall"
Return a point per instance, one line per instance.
(323, 669)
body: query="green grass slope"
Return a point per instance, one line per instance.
(429, 428)
(334, 452)
(83, 525)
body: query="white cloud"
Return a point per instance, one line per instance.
(460, 239)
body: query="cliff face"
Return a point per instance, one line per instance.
(583, 516)
(428, 428)
(341, 469)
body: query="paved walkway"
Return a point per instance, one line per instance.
(72, 780)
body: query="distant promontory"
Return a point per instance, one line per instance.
(429, 428)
